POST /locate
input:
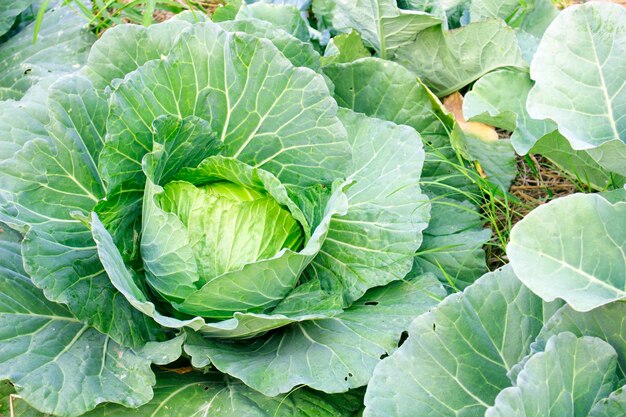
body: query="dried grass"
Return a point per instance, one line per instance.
(538, 182)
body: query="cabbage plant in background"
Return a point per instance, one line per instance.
(484, 351)
(202, 194)
(509, 345)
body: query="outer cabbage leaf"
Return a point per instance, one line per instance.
(296, 122)
(374, 243)
(62, 46)
(22, 121)
(383, 26)
(567, 379)
(532, 16)
(446, 61)
(41, 344)
(9, 398)
(499, 99)
(453, 243)
(343, 48)
(613, 406)
(456, 359)
(9, 11)
(299, 53)
(610, 156)
(573, 248)
(330, 355)
(481, 144)
(389, 91)
(578, 70)
(281, 16)
(528, 44)
(302, 5)
(454, 13)
(124, 48)
(578, 163)
(44, 183)
(606, 322)
(213, 394)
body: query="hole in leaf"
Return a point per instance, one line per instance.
(403, 337)
(371, 303)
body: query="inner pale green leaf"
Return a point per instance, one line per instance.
(230, 225)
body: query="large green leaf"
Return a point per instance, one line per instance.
(446, 61)
(499, 99)
(9, 11)
(496, 156)
(343, 48)
(606, 323)
(124, 48)
(453, 243)
(574, 249)
(22, 121)
(578, 163)
(266, 112)
(57, 363)
(216, 395)
(456, 359)
(610, 156)
(532, 16)
(299, 53)
(48, 180)
(389, 91)
(331, 355)
(11, 402)
(613, 406)
(54, 174)
(282, 16)
(383, 26)
(578, 70)
(62, 46)
(567, 379)
(374, 243)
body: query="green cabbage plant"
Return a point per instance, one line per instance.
(195, 190)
